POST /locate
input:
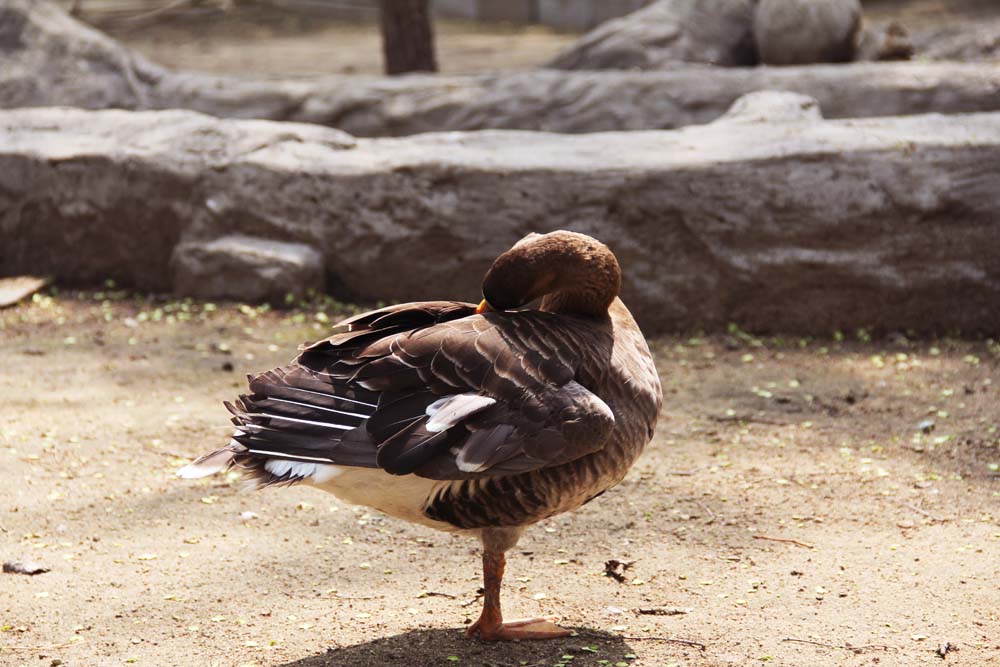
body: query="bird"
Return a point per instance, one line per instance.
(475, 419)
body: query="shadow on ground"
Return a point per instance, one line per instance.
(446, 647)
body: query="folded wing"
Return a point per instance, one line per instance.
(430, 389)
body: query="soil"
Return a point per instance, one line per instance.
(804, 502)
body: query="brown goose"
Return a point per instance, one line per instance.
(482, 420)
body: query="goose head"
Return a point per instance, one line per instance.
(572, 273)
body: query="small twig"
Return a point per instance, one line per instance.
(844, 647)
(672, 640)
(357, 597)
(469, 603)
(825, 473)
(681, 473)
(164, 452)
(872, 647)
(711, 515)
(661, 611)
(786, 540)
(923, 512)
(428, 594)
(51, 647)
(747, 419)
(809, 641)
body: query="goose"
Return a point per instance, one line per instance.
(481, 420)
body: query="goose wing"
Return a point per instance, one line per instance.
(431, 389)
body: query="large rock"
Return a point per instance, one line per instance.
(668, 32)
(127, 229)
(890, 41)
(574, 102)
(247, 268)
(800, 32)
(50, 59)
(802, 225)
(772, 107)
(966, 40)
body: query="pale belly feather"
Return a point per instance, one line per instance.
(400, 496)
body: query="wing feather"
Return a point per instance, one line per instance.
(431, 389)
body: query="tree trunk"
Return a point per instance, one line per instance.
(407, 36)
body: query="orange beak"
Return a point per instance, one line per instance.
(483, 307)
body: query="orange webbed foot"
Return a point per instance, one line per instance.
(530, 628)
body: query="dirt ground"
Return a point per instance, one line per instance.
(804, 502)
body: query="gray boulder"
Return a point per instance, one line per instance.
(799, 32)
(966, 40)
(51, 59)
(246, 268)
(665, 34)
(890, 41)
(803, 225)
(771, 106)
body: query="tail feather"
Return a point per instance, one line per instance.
(209, 464)
(293, 426)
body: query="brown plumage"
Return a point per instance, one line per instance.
(482, 420)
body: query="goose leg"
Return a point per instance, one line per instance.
(490, 625)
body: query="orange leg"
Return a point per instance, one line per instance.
(490, 625)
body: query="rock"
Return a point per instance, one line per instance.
(580, 102)
(668, 32)
(15, 289)
(51, 59)
(945, 648)
(580, 15)
(28, 567)
(134, 247)
(799, 32)
(807, 226)
(246, 268)
(967, 40)
(886, 42)
(772, 107)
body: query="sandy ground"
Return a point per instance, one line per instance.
(896, 532)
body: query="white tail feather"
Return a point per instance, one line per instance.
(282, 468)
(209, 464)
